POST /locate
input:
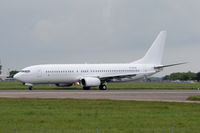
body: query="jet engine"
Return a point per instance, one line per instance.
(63, 85)
(90, 82)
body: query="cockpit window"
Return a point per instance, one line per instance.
(25, 71)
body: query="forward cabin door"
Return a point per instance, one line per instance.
(39, 73)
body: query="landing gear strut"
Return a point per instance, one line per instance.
(86, 88)
(103, 87)
(30, 86)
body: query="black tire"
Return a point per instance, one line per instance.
(30, 88)
(103, 87)
(86, 88)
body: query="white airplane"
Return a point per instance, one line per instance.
(93, 75)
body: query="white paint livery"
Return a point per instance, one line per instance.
(92, 75)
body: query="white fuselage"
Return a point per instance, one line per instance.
(71, 73)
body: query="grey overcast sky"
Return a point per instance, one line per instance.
(98, 31)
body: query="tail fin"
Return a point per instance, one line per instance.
(155, 53)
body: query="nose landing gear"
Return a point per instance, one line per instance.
(30, 86)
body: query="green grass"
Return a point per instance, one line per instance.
(83, 116)
(194, 98)
(153, 85)
(111, 86)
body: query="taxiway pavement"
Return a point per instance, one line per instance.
(138, 95)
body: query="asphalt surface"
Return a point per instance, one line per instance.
(138, 95)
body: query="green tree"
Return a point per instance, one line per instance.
(12, 73)
(198, 76)
(167, 77)
(191, 76)
(181, 76)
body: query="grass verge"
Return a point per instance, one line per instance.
(81, 116)
(111, 86)
(194, 98)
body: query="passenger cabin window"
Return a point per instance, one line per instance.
(25, 71)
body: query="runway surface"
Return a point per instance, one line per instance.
(138, 95)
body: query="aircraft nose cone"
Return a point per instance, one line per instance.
(20, 77)
(17, 76)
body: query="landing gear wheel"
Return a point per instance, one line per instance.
(86, 88)
(30, 88)
(103, 87)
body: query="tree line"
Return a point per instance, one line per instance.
(184, 76)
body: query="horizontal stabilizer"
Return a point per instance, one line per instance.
(163, 66)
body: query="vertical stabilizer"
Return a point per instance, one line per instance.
(155, 53)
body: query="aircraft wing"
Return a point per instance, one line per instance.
(119, 76)
(163, 66)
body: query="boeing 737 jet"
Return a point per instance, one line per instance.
(96, 75)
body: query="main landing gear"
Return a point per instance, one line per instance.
(103, 87)
(86, 88)
(30, 88)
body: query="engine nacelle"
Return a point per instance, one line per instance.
(63, 85)
(90, 82)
